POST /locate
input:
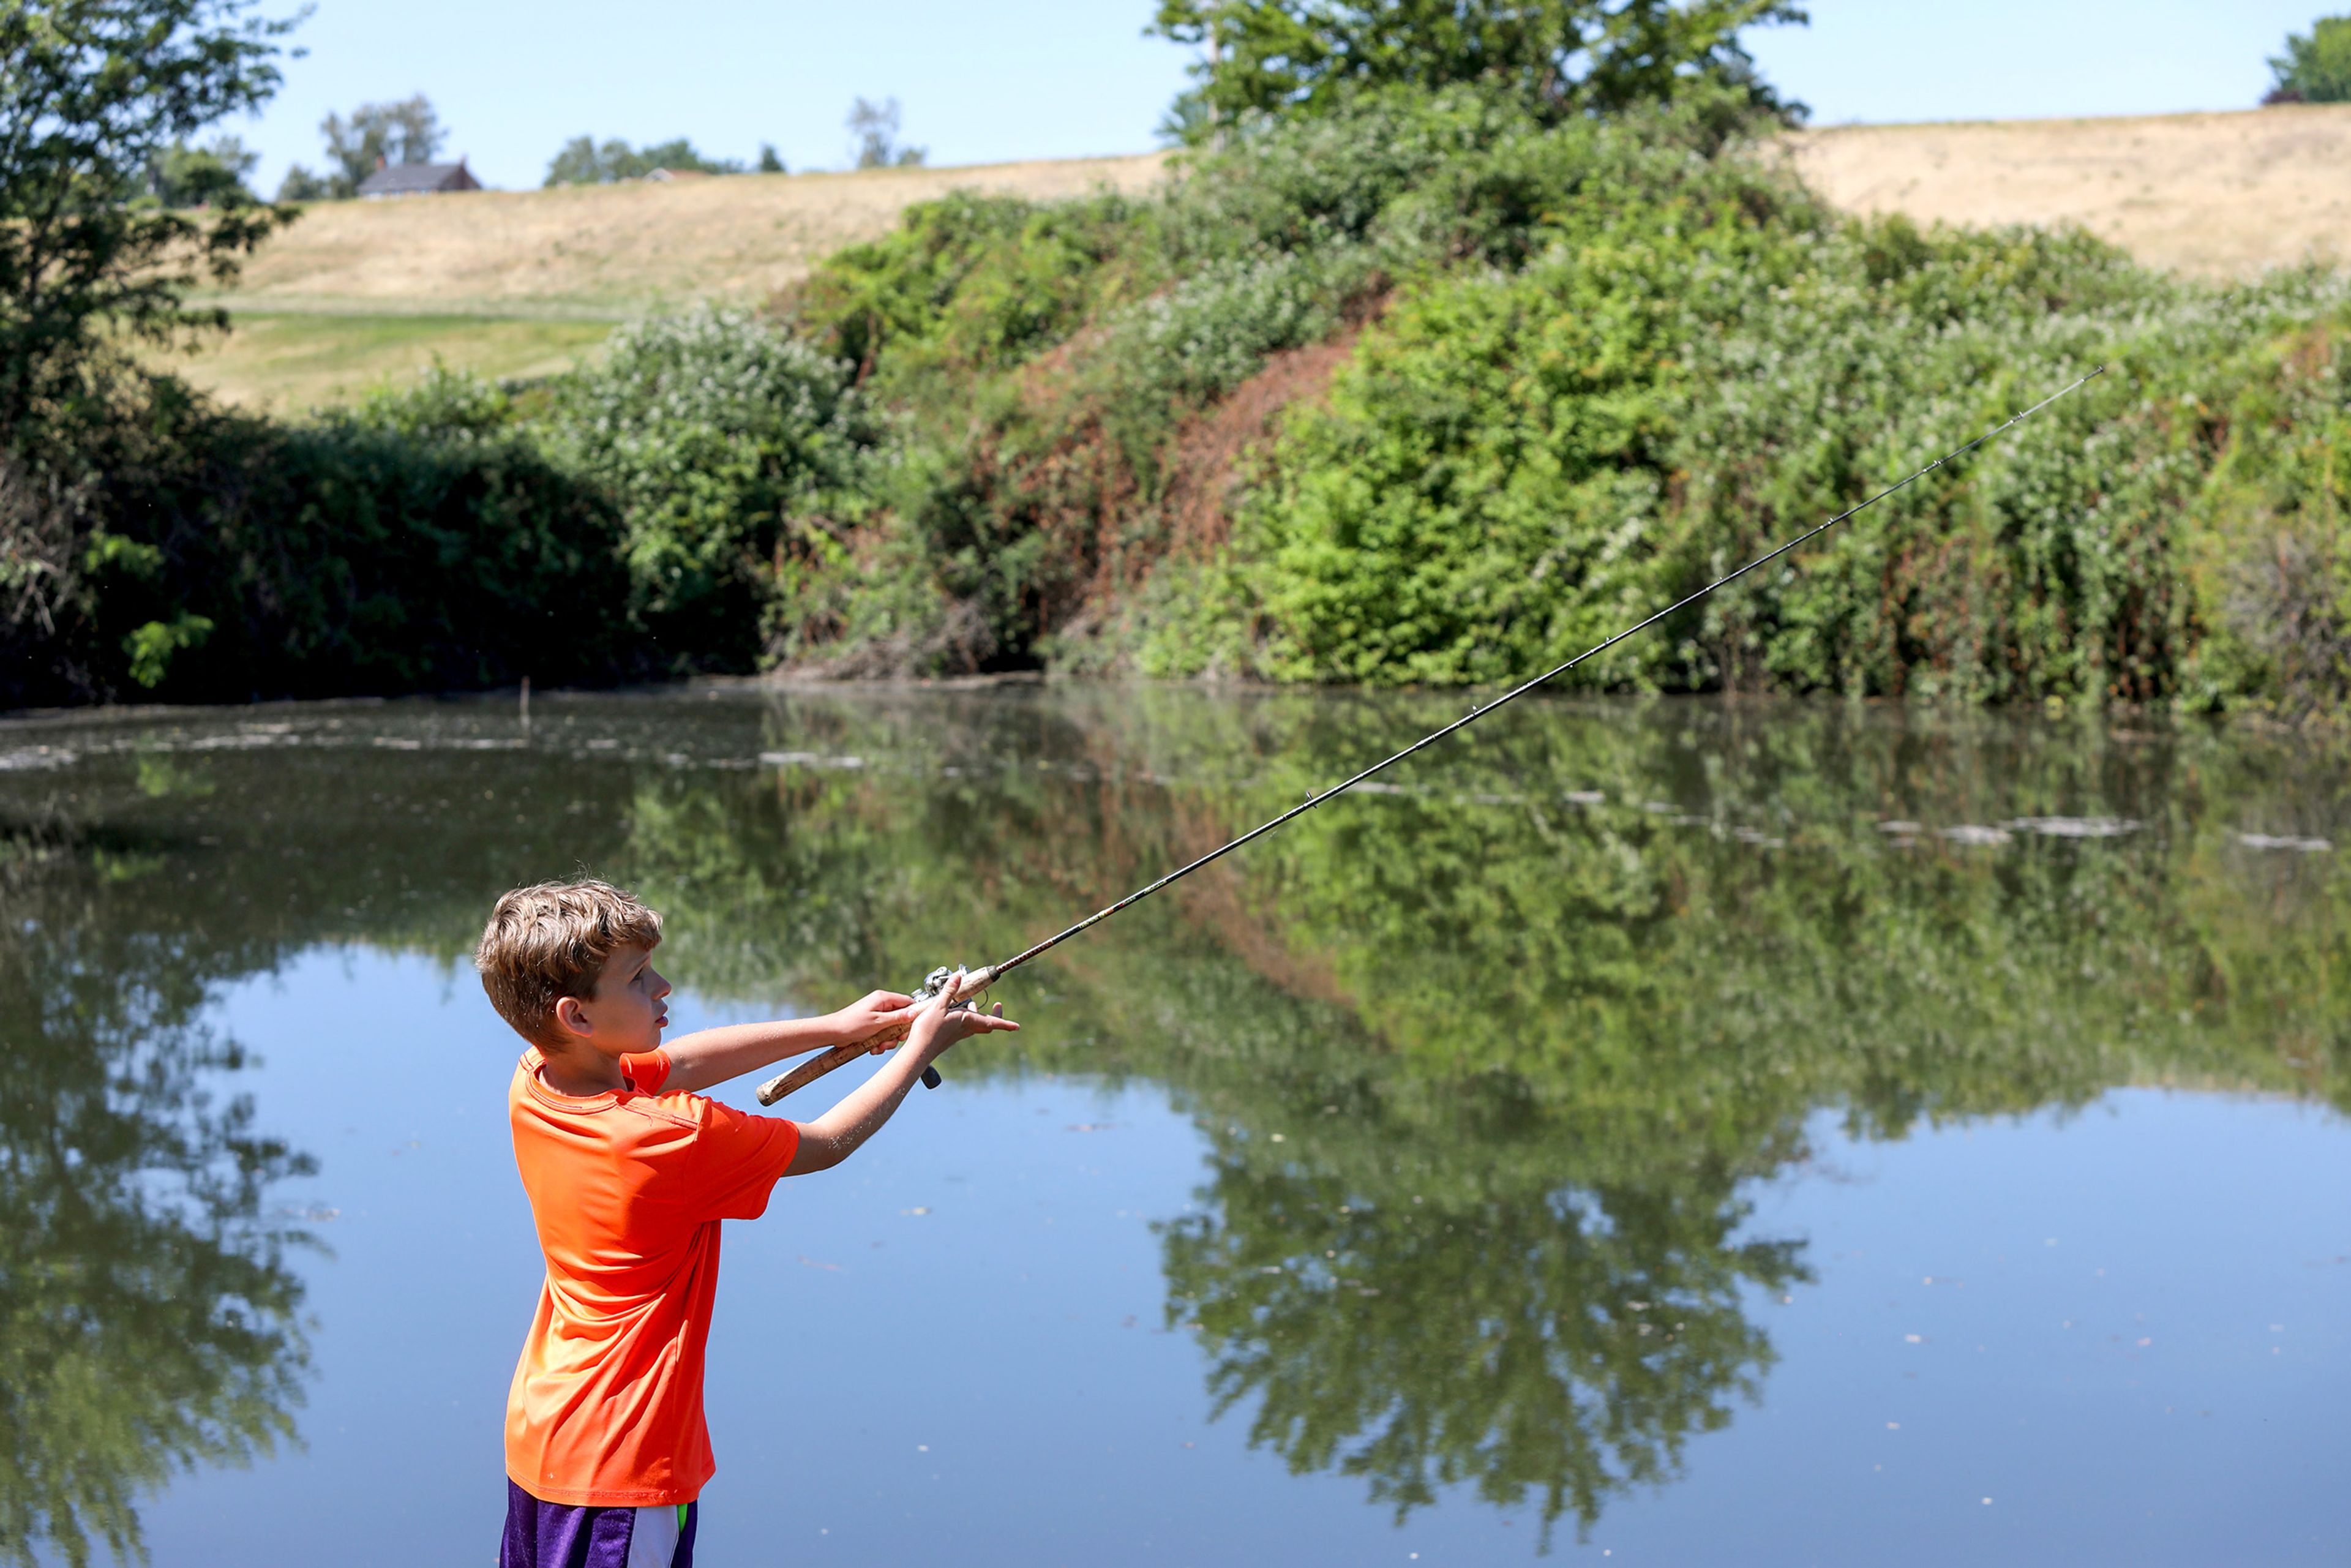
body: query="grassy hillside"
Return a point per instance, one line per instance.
(289, 362)
(520, 283)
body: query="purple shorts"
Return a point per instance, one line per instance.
(559, 1535)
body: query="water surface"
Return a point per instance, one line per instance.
(1641, 1131)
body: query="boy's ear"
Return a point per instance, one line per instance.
(572, 1018)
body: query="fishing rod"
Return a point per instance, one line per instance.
(978, 980)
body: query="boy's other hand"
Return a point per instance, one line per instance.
(971, 1021)
(937, 1028)
(880, 1018)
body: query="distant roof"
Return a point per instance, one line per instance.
(419, 179)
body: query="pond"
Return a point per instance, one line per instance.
(1641, 1131)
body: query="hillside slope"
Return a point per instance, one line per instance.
(2210, 193)
(1431, 389)
(514, 281)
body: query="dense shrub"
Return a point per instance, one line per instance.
(1039, 441)
(1608, 361)
(1482, 490)
(209, 555)
(633, 518)
(725, 445)
(967, 284)
(1515, 467)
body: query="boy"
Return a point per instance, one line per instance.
(629, 1173)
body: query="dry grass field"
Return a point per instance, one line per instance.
(616, 251)
(2215, 195)
(522, 282)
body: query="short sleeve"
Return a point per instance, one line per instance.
(646, 1070)
(737, 1160)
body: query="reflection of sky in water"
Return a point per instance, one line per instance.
(992, 1375)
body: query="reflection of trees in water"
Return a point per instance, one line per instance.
(1573, 1033)
(1429, 1283)
(147, 1313)
(1560, 1344)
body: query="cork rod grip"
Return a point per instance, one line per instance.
(809, 1072)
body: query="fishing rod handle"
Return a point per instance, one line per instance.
(840, 1056)
(809, 1072)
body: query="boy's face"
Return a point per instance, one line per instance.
(625, 1015)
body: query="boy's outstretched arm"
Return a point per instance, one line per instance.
(837, 1134)
(711, 1056)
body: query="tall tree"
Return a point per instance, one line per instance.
(408, 131)
(873, 137)
(1564, 55)
(2315, 66)
(209, 176)
(93, 95)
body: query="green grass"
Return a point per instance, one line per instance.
(298, 361)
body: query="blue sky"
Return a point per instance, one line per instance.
(1053, 79)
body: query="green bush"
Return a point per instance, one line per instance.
(1481, 491)
(2267, 552)
(1515, 466)
(1039, 441)
(725, 445)
(969, 283)
(645, 515)
(224, 557)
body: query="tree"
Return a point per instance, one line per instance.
(408, 131)
(582, 162)
(875, 127)
(770, 161)
(678, 154)
(96, 94)
(212, 176)
(2316, 68)
(1567, 57)
(301, 186)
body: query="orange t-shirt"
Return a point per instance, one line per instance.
(627, 1190)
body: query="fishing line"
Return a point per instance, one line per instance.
(980, 980)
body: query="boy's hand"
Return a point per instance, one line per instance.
(880, 1018)
(936, 1027)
